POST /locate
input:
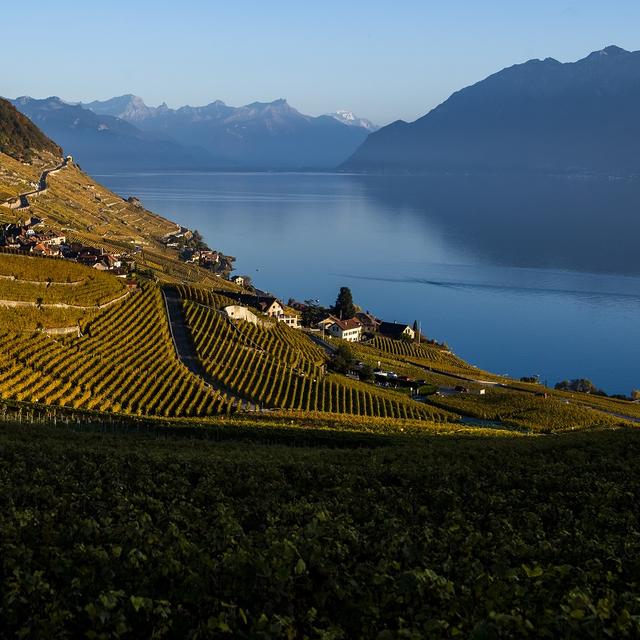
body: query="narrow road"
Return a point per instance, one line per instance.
(327, 346)
(41, 186)
(186, 351)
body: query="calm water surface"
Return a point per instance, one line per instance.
(518, 275)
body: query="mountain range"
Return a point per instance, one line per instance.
(542, 115)
(123, 133)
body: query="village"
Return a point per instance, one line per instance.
(322, 326)
(31, 238)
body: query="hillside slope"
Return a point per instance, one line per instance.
(19, 137)
(542, 115)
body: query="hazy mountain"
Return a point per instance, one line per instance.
(542, 115)
(106, 143)
(128, 107)
(351, 120)
(266, 135)
(19, 137)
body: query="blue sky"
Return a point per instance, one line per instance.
(383, 60)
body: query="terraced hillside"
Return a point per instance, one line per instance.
(74, 337)
(80, 339)
(46, 294)
(280, 367)
(92, 215)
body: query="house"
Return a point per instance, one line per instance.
(326, 323)
(268, 305)
(42, 249)
(238, 312)
(55, 239)
(271, 307)
(290, 318)
(396, 330)
(349, 330)
(33, 221)
(239, 280)
(368, 321)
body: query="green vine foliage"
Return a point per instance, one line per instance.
(129, 536)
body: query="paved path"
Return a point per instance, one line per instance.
(41, 186)
(186, 351)
(327, 346)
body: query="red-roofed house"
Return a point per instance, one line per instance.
(349, 330)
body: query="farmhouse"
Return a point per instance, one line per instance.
(368, 321)
(268, 305)
(396, 330)
(349, 330)
(326, 323)
(238, 312)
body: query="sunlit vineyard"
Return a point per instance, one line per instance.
(427, 354)
(124, 362)
(28, 319)
(30, 268)
(281, 367)
(524, 410)
(42, 281)
(204, 296)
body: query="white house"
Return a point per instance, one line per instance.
(271, 307)
(238, 312)
(349, 330)
(290, 319)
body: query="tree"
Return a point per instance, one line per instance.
(344, 307)
(580, 385)
(342, 359)
(416, 330)
(313, 313)
(366, 373)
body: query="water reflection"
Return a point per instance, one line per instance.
(518, 275)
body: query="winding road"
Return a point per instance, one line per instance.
(40, 187)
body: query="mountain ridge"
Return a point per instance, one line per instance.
(272, 135)
(540, 115)
(103, 142)
(123, 133)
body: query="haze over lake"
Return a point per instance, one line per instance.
(519, 275)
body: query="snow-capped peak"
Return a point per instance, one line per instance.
(352, 120)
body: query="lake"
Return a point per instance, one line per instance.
(518, 275)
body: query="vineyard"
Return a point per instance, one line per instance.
(280, 367)
(124, 363)
(29, 319)
(423, 354)
(538, 413)
(134, 537)
(42, 282)
(45, 270)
